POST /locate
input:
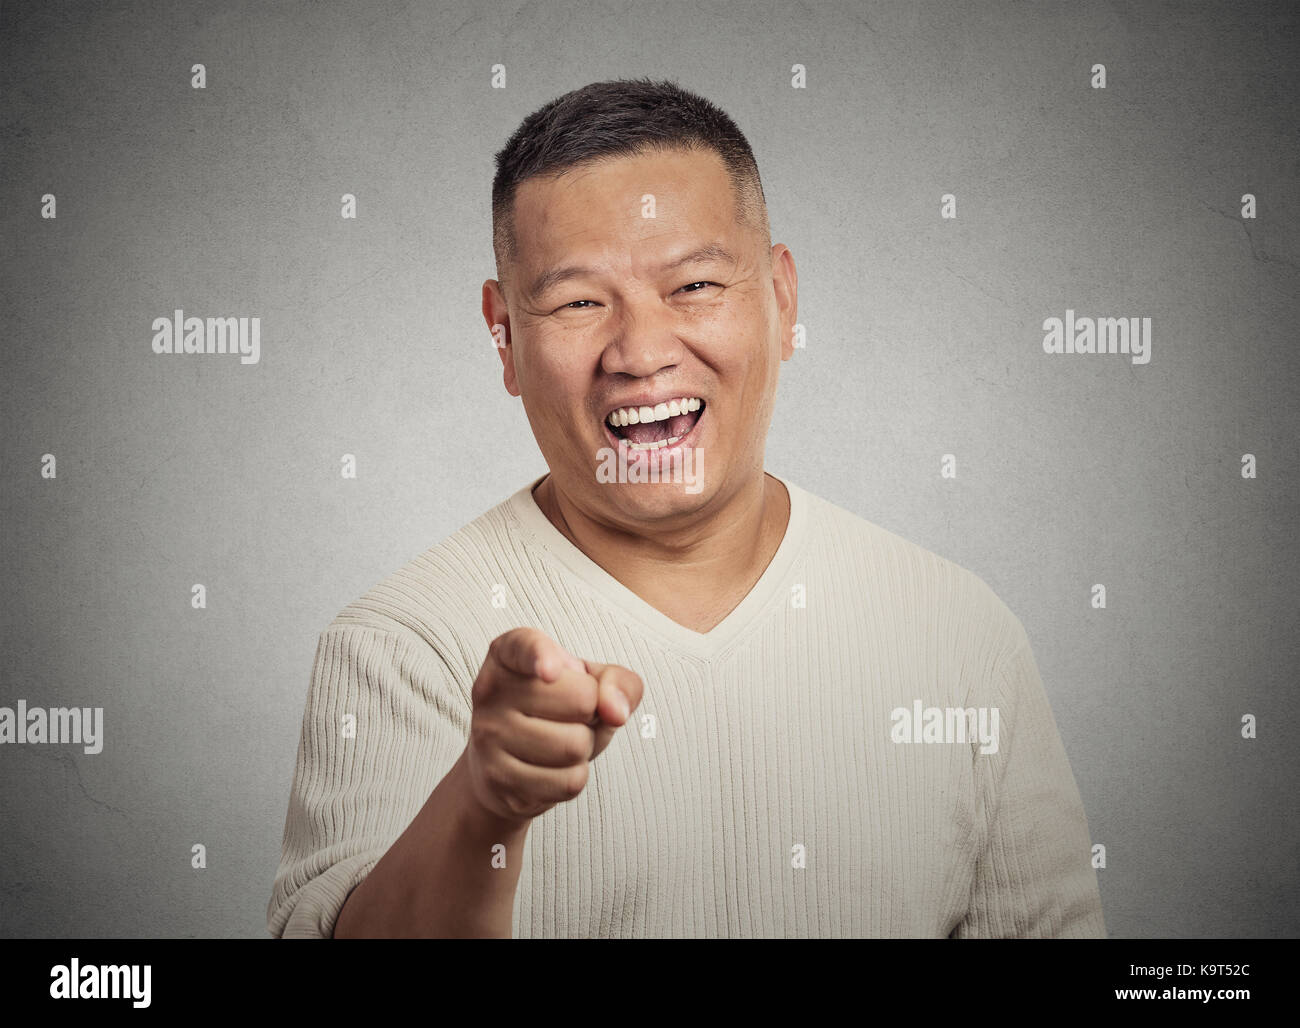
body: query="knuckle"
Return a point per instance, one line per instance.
(575, 780)
(481, 689)
(515, 805)
(577, 747)
(500, 648)
(492, 780)
(530, 639)
(486, 736)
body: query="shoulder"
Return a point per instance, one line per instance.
(451, 582)
(913, 583)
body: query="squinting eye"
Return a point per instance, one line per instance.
(573, 304)
(688, 288)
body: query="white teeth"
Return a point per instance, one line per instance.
(655, 445)
(644, 415)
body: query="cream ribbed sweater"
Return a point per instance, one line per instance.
(757, 790)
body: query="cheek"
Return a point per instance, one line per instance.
(748, 349)
(553, 365)
(556, 392)
(724, 338)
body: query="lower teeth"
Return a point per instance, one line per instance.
(658, 444)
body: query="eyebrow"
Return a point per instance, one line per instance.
(709, 252)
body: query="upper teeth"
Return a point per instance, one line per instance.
(643, 415)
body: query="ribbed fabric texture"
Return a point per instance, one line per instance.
(759, 746)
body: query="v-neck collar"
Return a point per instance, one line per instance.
(705, 645)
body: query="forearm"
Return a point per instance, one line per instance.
(438, 879)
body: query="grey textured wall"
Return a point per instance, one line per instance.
(924, 338)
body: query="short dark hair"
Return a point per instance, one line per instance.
(620, 118)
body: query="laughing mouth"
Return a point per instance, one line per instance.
(653, 428)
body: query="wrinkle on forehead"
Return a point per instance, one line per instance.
(567, 225)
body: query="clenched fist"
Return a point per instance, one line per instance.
(540, 717)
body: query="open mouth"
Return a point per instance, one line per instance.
(662, 428)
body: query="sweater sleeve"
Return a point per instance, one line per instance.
(1034, 876)
(383, 724)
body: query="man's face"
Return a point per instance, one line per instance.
(629, 324)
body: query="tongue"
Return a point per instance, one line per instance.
(670, 428)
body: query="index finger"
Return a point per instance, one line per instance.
(532, 653)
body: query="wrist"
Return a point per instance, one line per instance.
(476, 817)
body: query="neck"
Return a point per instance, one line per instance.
(696, 572)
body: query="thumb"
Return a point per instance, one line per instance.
(613, 705)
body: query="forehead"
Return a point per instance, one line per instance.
(600, 209)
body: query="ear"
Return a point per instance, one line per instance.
(785, 282)
(497, 316)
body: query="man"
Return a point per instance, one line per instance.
(659, 691)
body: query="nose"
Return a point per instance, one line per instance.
(645, 340)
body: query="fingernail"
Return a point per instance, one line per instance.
(620, 704)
